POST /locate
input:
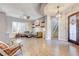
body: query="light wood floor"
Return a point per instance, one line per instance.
(41, 47)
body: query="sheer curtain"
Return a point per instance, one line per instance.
(18, 27)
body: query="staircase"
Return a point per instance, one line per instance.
(54, 29)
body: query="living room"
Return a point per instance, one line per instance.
(38, 29)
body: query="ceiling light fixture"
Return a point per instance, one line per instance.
(25, 17)
(58, 12)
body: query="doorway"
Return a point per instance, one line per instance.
(54, 27)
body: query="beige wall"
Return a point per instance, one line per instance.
(29, 24)
(63, 23)
(6, 26)
(62, 26)
(3, 28)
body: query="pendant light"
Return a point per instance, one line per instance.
(58, 12)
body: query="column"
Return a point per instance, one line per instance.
(61, 28)
(48, 28)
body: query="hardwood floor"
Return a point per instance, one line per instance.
(41, 47)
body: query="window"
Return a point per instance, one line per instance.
(18, 27)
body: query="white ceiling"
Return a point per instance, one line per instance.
(33, 9)
(51, 8)
(20, 9)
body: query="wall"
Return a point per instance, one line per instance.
(63, 22)
(6, 26)
(29, 26)
(3, 27)
(10, 20)
(62, 29)
(13, 19)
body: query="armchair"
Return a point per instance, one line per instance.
(6, 50)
